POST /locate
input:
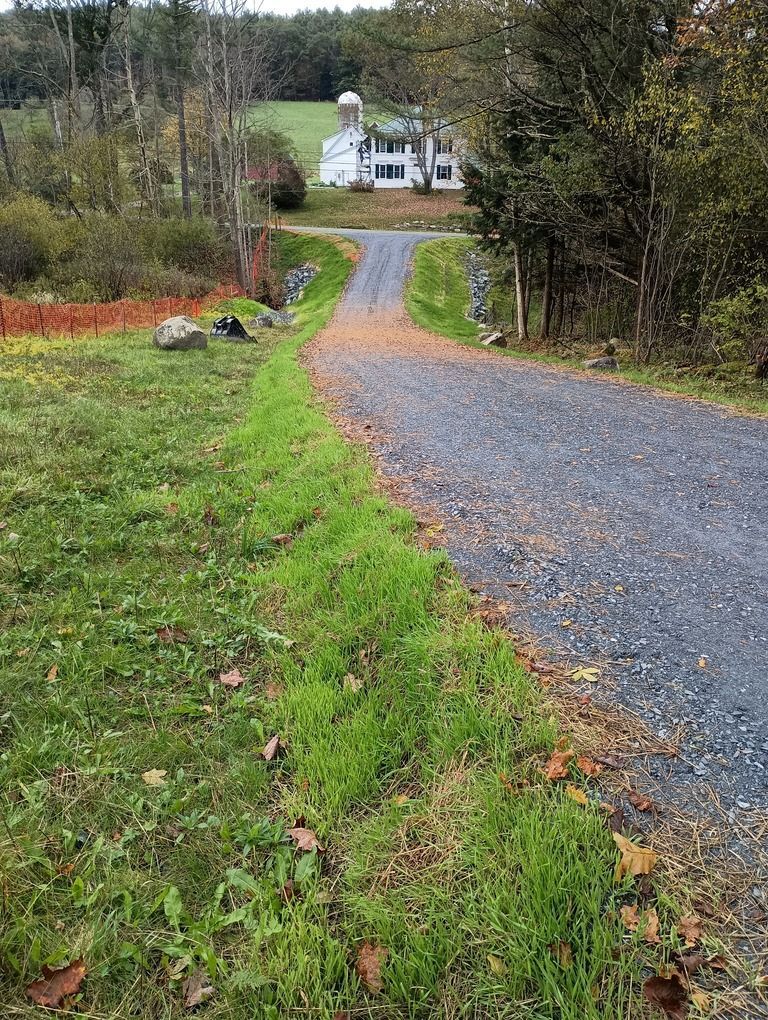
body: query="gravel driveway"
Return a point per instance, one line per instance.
(622, 526)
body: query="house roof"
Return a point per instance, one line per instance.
(405, 126)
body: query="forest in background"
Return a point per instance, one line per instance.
(616, 149)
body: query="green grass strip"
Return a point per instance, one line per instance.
(146, 492)
(438, 299)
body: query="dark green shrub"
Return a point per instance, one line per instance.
(33, 239)
(194, 246)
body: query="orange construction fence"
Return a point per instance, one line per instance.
(17, 318)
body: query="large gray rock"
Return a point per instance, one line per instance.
(607, 364)
(179, 333)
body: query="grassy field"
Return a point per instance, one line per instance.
(377, 210)
(438, 298)
(192, 561)
(307, 124)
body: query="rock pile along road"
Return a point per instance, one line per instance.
(623, 527)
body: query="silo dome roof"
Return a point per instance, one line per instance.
(350, 99)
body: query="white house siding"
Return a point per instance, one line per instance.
(407, 160)
(340, 161)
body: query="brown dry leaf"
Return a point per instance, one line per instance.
(690, 928)
(210, 517)
(566, 623)
(701, 1000)
(370, 958)
(154, 777)
(630, 916)
(576, 794)
(640, 800)
(232, 679)
(562, 953)
(57, 984)
(497, 965)
(651, 930)
(212, 449)
(635, 860)
(171, 508)
(305, 839)
(402, 798)
(587, 766)
(557, 766)
(172, 635)
(702, 664)
(668, 993)
(196, 989)
(286, 540)
(273, 690)
(287, 890)
(272, 748)
(53, 672)
(352, 682)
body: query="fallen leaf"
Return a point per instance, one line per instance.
(651, 929)
(640, 801)
(370, 958)
(287, 890)
(171, 508)
(635, 860)
(196, 989)
(232, 679)
(608, 761)
(212, 449)
(562, 953)
(497, 965)
(286, 540)
(630, 916)
(57, 984)
(352, 682)
(402, 798)
(272, 748)
(690, 928)
(172, 635)
(66, 869)
(618, 587)
(689, 963)
(305, 839)
(668, 993)
(210, 517)
(566, 623)
(702, 663)
(701, 1000)
(53, 672)
(576, 794)
(154, 777)
(587, 766)
(589, 674)
(557, 766)
(273, 690)
(717, 962)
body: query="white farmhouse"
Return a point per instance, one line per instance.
(391, 155)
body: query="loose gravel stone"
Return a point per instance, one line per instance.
(638, 517)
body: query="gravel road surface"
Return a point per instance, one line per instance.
(622, 526)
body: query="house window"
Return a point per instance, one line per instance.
(383, 145)
(444, 145)
(444, 172)
(390, 171)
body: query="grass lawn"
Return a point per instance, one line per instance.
(307, 124)
(438, 297)
(192, 561)
(377, 210)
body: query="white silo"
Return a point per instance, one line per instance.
(350, 110)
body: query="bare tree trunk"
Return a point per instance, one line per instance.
(546, 298)
(186, 200)
(520, 295)
(145, 171)
(560, 315)
(6, 156)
